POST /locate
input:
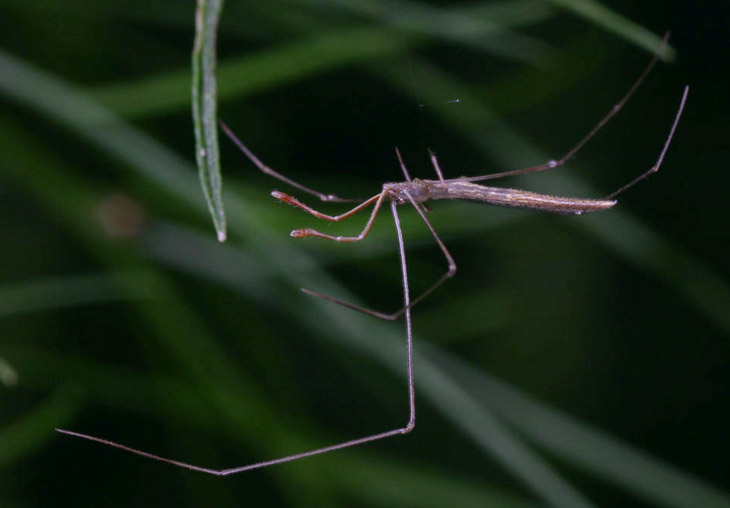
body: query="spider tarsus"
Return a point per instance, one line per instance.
(281, 196)
(286, 198)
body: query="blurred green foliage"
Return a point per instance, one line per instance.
(123, 317)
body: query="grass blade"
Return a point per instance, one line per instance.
(205, 122)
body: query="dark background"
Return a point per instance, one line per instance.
(123, 318)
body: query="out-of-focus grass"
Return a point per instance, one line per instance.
(47, 293)
(8, 375)
(610, 20)
(219, 334)
(35, 428)
(589, 448)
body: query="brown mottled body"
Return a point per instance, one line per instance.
(421, 191)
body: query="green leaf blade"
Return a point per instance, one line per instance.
(204, 98)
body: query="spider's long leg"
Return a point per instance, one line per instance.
(374, 437)
(271, 172)
(659, 161)
(395, 315)
(571, 153)
(409, 327)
